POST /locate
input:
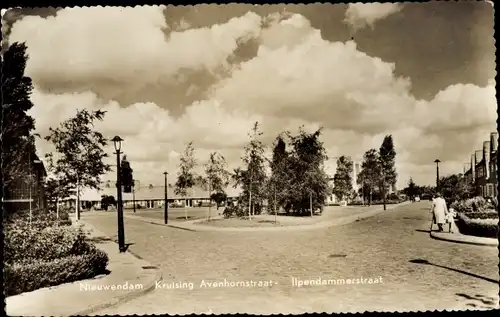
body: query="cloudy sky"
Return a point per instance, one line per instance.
(422, 72)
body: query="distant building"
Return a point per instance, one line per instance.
(482, 170)
(151, 196)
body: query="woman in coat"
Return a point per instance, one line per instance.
(439, 210)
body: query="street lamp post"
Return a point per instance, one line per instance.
(133, 193)
(165, 214)
(437, 161)
(117, 141)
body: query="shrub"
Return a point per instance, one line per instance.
(355, 203)
(477, 227)
(476, 204)
(234, 211)
(24, 245)
(39, 216)
(388, 202)
(206, 204)
(26, 277)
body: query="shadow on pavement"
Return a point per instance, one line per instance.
(425, 262)
(481, 299)
(100, 239)
(426, 231)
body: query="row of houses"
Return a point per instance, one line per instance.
(482, 168)
(149, 197)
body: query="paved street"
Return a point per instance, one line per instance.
(381, 246)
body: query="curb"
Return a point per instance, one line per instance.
(465, 240)
(194, 227)
(125, 297)
(153, 222)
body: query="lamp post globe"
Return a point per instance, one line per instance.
(117, 142)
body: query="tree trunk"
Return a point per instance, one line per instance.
(384, 196)
(250, 204)
(209, 200)
(275, 212)
(77, 207)
(311, 203)
(370, 198)
(185, 209)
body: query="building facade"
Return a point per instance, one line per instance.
(331, 199)
(28, 190)
(482, 169)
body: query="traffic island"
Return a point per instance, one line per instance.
(266, 222)
(128, 277)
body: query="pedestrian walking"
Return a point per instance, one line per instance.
(439, 211)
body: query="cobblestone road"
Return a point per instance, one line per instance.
(381, 246)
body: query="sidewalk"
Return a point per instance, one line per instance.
(465, 239)
(194, 226)
(129, 278)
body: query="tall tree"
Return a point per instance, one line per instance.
(79, 161)
(411, 189)
(454, 187)
(369, 177)
(342, 180)
(17, 138)
(307, 181)
(387, 158)
(186, 177)
(217, 178)
(278, 183)
(253, 177)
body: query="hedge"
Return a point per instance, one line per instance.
(488, 214)
(477, 227)
(27, 277)
(377, 202)
(51, 243)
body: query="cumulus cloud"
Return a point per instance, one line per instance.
(296, 78)
(151, 135)
(357, 98)
(124, 46)
(361, 15)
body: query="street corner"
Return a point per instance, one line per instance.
(464, 239)
(134, 277)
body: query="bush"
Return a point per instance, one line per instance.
(38, 215)
(27, 277)
(39, 220)
(355, 203)
(477, 227)
(476, 204)
(206, 204)
(388, 202)
(24, 245)
(234, 211)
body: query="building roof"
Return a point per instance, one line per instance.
(151, 193)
